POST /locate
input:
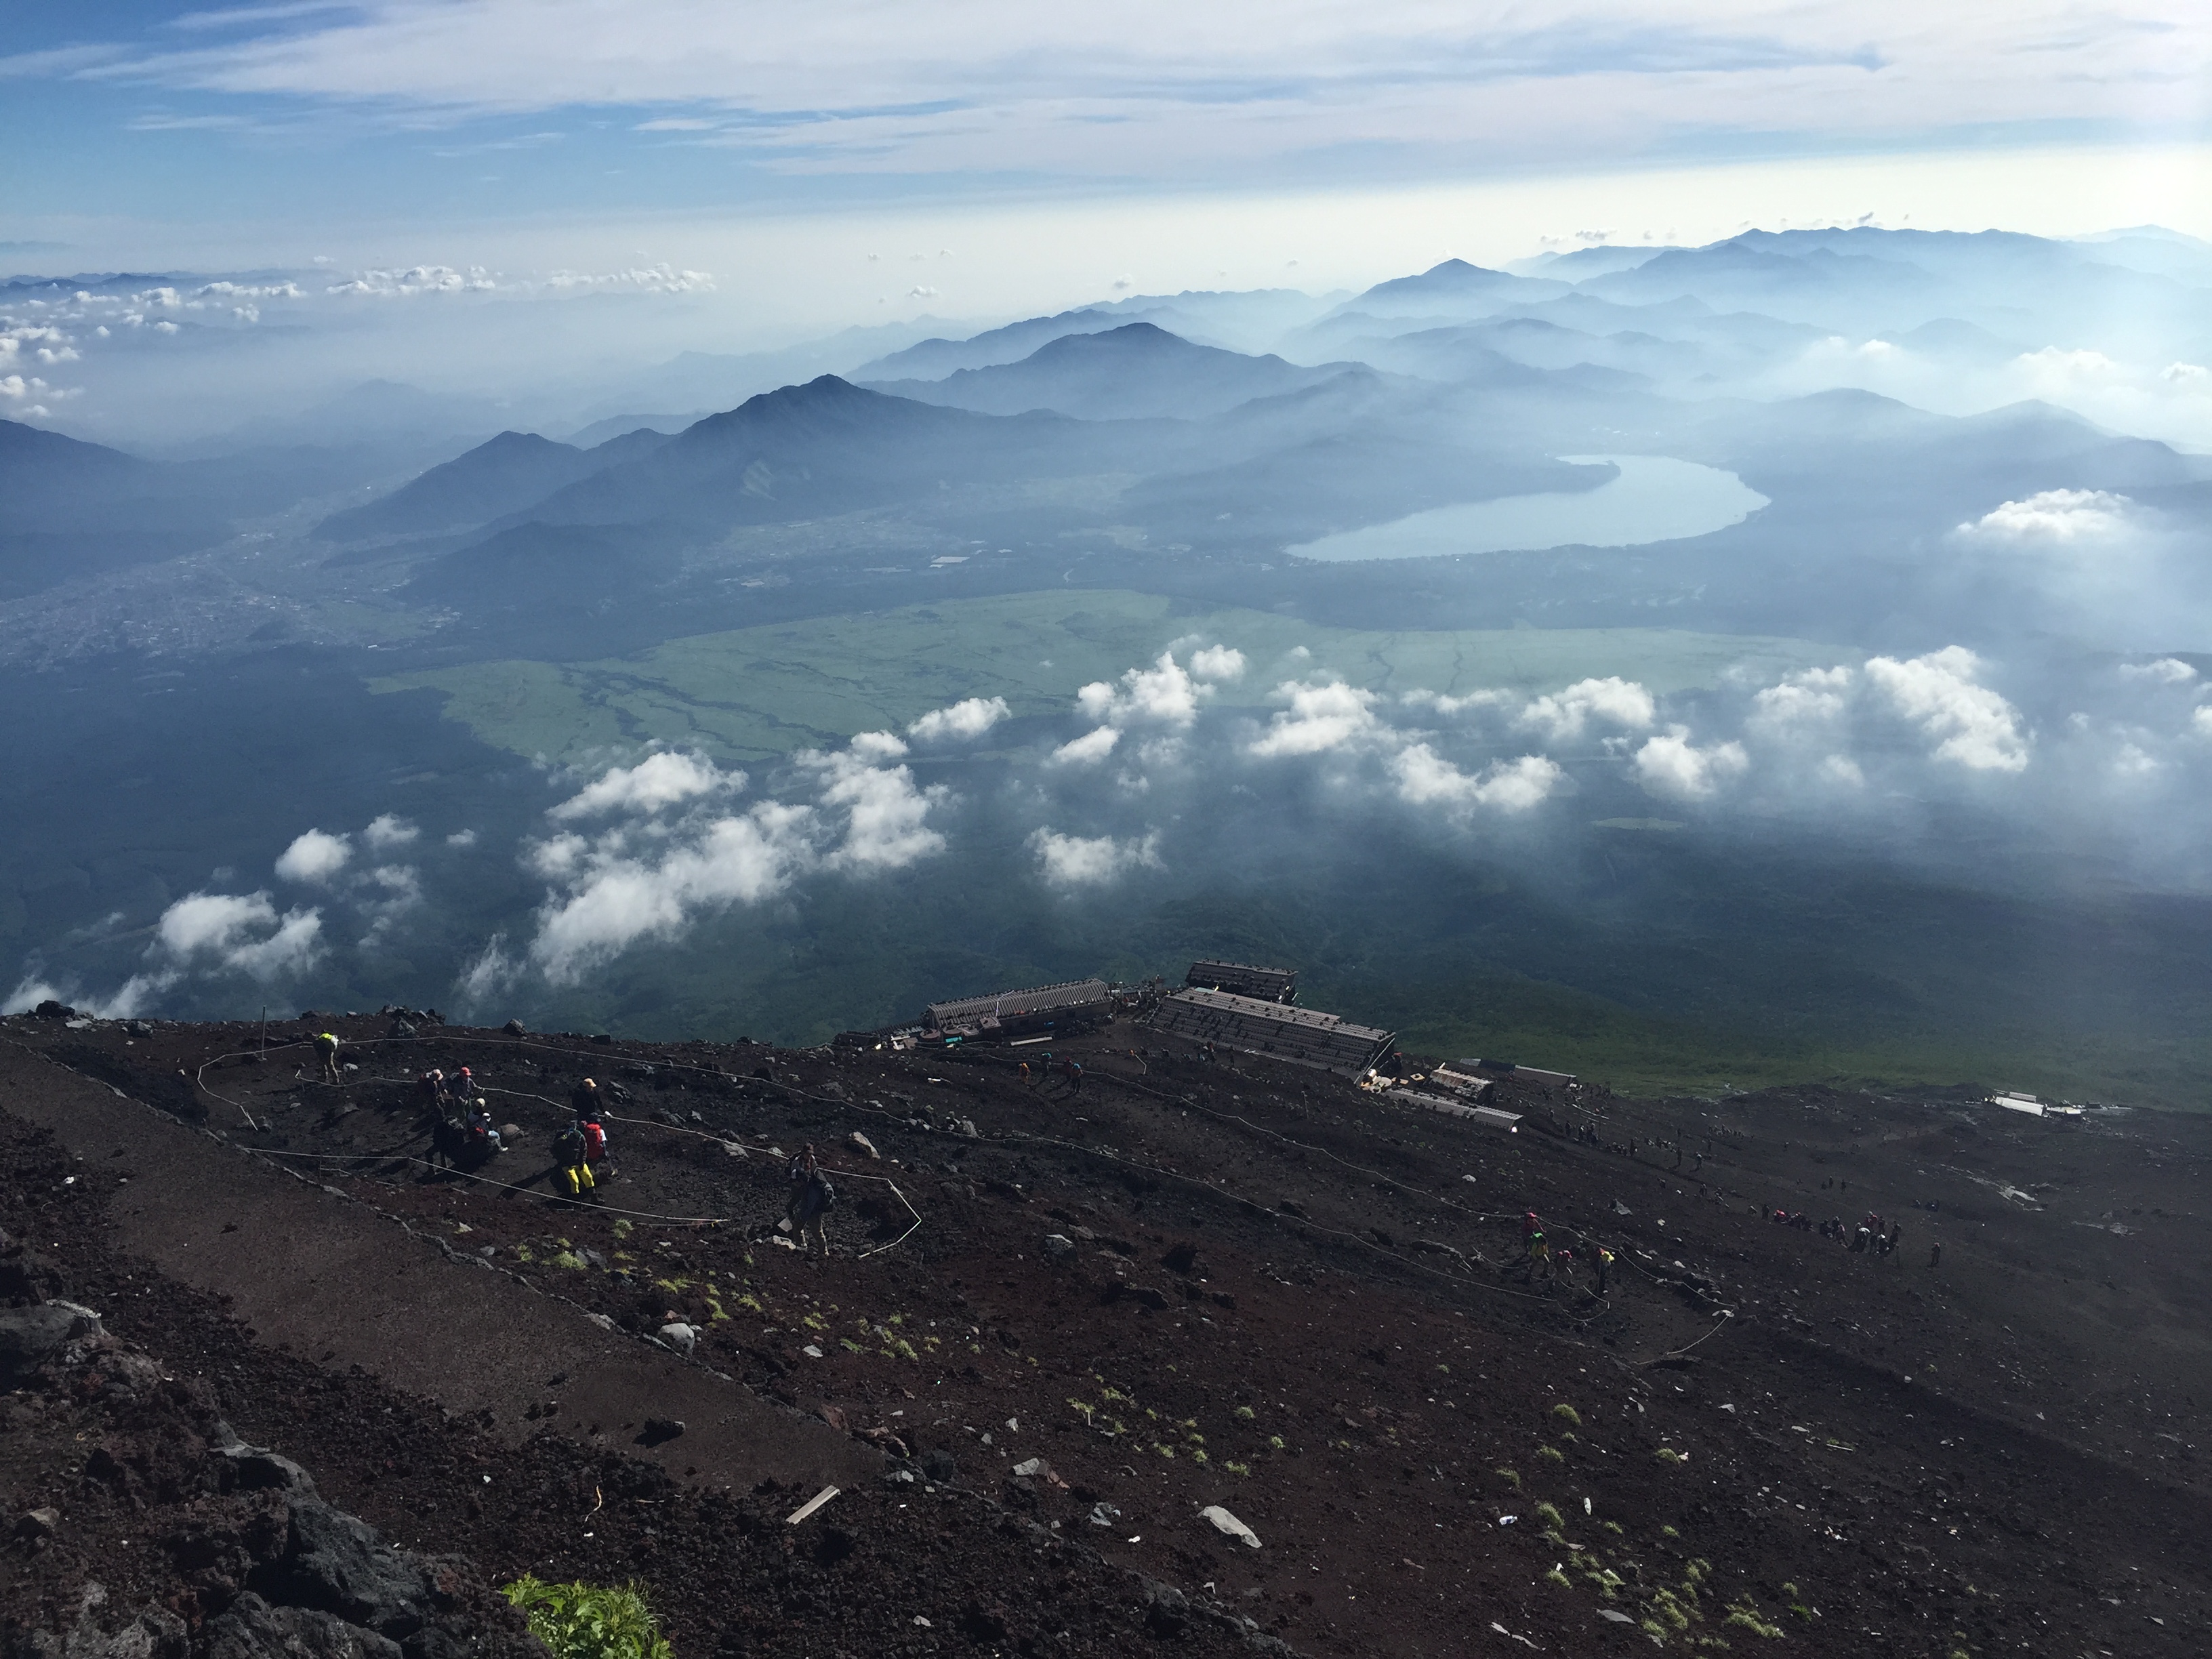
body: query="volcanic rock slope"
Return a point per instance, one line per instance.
(1062, 1320)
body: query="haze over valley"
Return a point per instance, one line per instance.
(1772, 657)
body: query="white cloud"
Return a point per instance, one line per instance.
(314, 857)
(1320, 717)
(1145, 87)
(616, 900)
(1164, 692)
(1426, 778)
(2167, 670)
(1817, 694)
(1843, 770)
(2051, 518)
(1972, 724)
(1217, 662)
(964, 721)
(886, 814)
(1089, 748)
(657, 781)
(1670, 766)
(1562, 716)
(2200, 721)
(229, 929)
(462, 838)
(638, 882)
(389, 831)
(1079, 861)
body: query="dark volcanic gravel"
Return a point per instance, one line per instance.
(1251, 1287)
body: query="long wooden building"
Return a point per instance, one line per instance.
(1243, 979)
(1303, 1037)
(1075, 1004)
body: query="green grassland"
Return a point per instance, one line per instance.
(756, 693)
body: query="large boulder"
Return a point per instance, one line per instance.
(337, 1564)
(29, 1337)
(252, 1629)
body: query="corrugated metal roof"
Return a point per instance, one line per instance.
(1010, 1005)
(1244, 980)
(1304, 1037)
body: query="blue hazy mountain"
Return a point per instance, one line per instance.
(1133, 372)
(500, 475)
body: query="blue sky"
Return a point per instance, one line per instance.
(303, 116)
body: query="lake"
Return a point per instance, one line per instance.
(1655, 498)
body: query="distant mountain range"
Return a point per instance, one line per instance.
(1137, 371)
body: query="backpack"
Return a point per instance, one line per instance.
(568, 1146)
(825, 1195)
(595, 1140)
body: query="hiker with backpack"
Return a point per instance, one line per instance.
(572, 1169)
(326, 1051)
(595, 1146)
(812, 1198)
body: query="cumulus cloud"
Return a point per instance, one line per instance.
(1165, 693)
(1217, 662)
(1087, 749)
(964, 721)
(2167, 670)
(1090, 861)
(389, 831)
(1673, 767)
(885, 814)
(239, 931)
(462, 838)
(651, 876)
(1817, 694)
(617, 898)
(1970, 724)
(2051, 519)
(1322, 716)
(1562, 716)
(1425, 778)
(657, 781)
(314, 857)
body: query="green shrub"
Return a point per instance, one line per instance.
(1550, 1516)
(1668, 1455)
(587, 1621)
(1551, 1453)
(1568, 1415)
(1746, 1616)
(1510, 1477)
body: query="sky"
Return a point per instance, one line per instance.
(570, 133)
(734, 177)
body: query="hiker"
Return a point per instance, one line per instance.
(584, 1099)
(1026, 1080)
(430, 1091)
(1935, 1253)
(479, 1121)
(811, 1196)
(595, 1146)
(466, 1086)
(1075, 1075)
(571, 1175)
(1603, 1262)
(326, 1050)
(1562, 1268)
(1859, 1241)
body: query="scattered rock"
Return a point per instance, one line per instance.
(1102, 1514)
(681, 1337)
(1028, 1469)
(658, 1431)
(31, 1336)
(252, 1629)
(38, 1523)
(1228, 1524)
(860, 1144)
(1614, 1615)
(1167, 1609)
(515, 1027)
(1059, 1246)
(939, 1468)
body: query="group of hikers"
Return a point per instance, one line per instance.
(1558, 1265)
(1071, 1069)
